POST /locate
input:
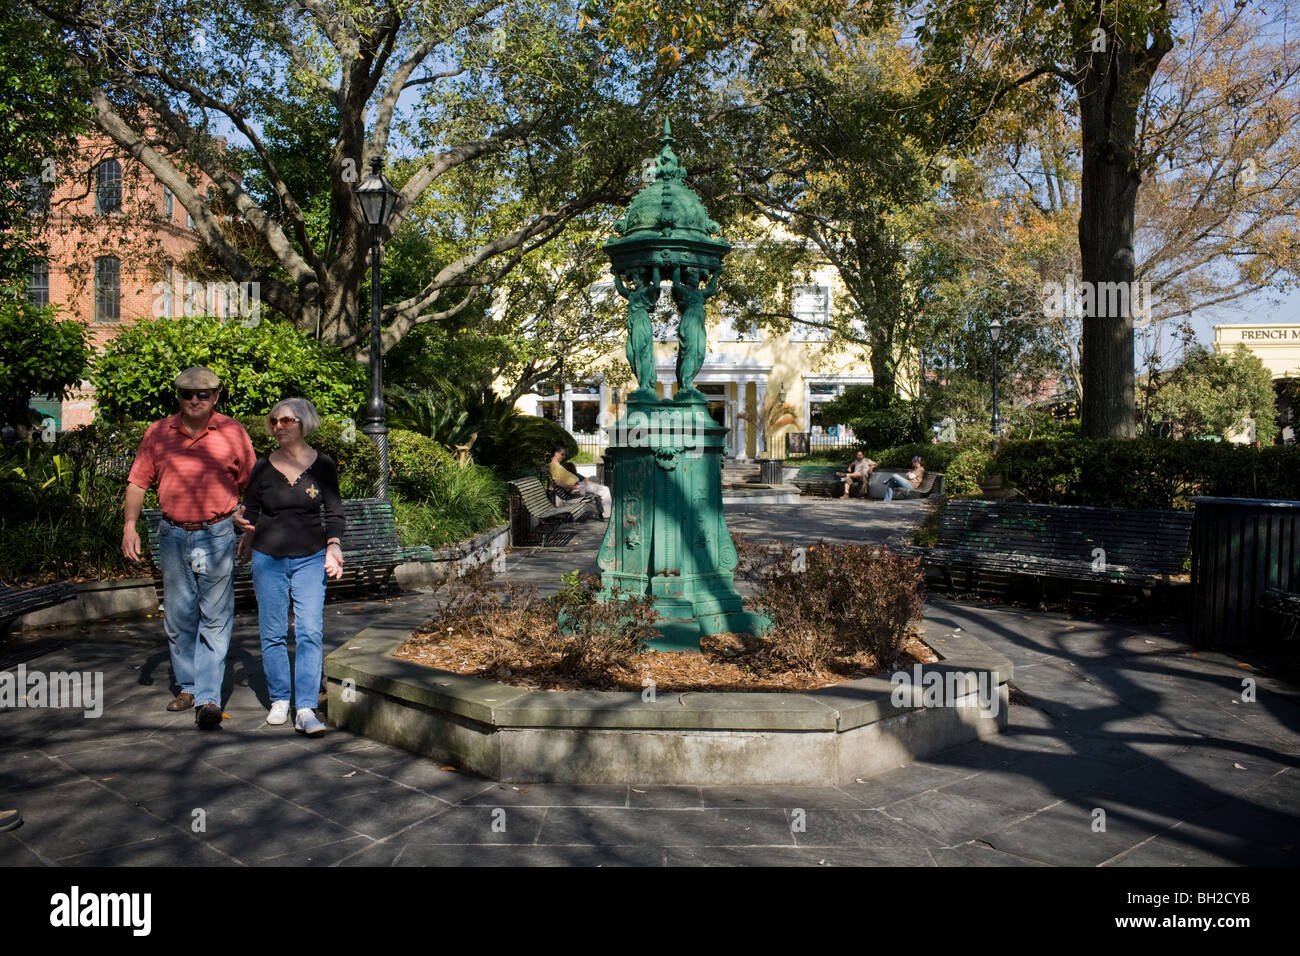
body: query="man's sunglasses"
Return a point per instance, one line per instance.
(202, 395)
(285, 420)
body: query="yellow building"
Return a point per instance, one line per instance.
(1276, 344)
(743, 368)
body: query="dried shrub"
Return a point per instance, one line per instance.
(833, 601)
(600, 635)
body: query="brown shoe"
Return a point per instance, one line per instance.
(181, 702)
(208, 717)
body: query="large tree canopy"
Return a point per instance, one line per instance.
(504, 121)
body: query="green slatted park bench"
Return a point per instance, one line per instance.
(528, 498)
(15, 602)
(371, 551)
(819, 480)
(1139, 548)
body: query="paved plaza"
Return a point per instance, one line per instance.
(1126, 747)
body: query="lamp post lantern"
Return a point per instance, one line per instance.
(377, 198)
(995, 333)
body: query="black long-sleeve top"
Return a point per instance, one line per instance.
(288, 515)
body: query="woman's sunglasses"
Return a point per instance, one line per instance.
(285, 420)
(186, 394)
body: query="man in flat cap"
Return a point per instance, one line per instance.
(201, 460)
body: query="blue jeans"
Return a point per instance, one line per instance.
(899, 482)
(198, 569)
(277, 583)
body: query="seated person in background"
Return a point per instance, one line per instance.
(572, 484)
(860, 469)
(909, 482)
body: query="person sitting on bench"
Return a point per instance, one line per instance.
(573, 485)
(909, 482)
(860, 469)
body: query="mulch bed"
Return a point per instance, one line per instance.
(727, 662)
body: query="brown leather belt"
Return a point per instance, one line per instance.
(199, 525)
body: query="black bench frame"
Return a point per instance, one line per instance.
(1142, 548)
(17, 602)
(535, 504)
(371, 551)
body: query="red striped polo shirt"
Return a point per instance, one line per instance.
(200, 476)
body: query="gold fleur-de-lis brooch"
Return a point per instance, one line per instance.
(312, 492)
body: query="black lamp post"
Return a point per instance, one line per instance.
(995, 333)
(377, 198)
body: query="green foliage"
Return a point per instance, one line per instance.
(938, 457)
(257, 366)
(352, 451)
(504, 439)
(963, 474)
(39, 355)
(440, 501)
(878, 418)
(63, 505)
(1210, 393)
(1146, 472)
(601, 635)
(45, 103)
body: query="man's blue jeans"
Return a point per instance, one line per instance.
(277, 583)
(198, 569)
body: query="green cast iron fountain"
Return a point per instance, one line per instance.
(667, 535)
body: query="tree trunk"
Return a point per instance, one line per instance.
(883, 371)
(1110, 85)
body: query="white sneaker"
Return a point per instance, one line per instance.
(307, 723)
(279, 712)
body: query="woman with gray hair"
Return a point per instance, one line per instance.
(292, 555)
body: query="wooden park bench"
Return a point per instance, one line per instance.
(1281, 612)
(931, 484)
(819, 480)
(1063, 542)
(371, 551)
(532, 502)
(15, 602)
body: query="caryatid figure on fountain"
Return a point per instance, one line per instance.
(640, 348)
(691, 334)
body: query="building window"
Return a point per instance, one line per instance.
(812, 304)
(38, 197)
(189, 220)
(108, 289)
(168, 205)
(38, 283)
(169, 276)
(108, 187)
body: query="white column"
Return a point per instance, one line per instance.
(566, 415)
(760, 396)
(741, 453)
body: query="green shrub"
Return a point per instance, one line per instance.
(438, 500)
(1146, 472)
(965, 471)
(938, 457)
(351, 449)
(39, 355)
(878, 418)
(257, 366)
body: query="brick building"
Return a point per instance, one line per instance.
(116, 241)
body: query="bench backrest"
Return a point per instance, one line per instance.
(533, 495)
(1151, 540)
(371, 526)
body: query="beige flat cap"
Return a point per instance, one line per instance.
(199, 376)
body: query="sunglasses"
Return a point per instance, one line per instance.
(285, 420)
(202, 395)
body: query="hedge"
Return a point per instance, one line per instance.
(1146, 472)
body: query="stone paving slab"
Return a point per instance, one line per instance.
(1108, 714)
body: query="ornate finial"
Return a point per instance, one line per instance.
(667, 165)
